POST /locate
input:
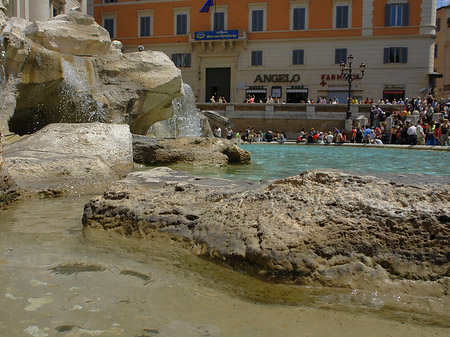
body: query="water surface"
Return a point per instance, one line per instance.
(57, 280)
(273, 161)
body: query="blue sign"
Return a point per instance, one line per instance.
(217, 35)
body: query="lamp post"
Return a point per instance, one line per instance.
(346, 71)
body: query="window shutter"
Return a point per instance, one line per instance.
(338, 17)
(387, 16)
(404, 55)
(301, 56)
(344, 17)
(337, 56)
(405, 19)
(188, 60)
(255, 21)
(299, 19)
(178, 24)
(386, 55)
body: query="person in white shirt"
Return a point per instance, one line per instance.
(420, 134)
(412, 135)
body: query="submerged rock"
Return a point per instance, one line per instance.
(61, 157)
(319, 227)
(193, 150)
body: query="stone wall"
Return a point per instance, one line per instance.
(290, 118)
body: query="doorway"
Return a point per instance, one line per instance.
(218, 83)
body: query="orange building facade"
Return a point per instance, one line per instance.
(286, 49)
(442, 53)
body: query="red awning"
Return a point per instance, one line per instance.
(394, 92)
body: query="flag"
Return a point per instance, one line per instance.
(205, 8)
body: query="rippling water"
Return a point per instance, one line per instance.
(273, 161)
(58, 280)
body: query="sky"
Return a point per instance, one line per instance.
(441, 3)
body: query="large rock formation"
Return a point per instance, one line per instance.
(62, 71)
(65, 157)
(9, 191)
(319, 227)
(192, 150)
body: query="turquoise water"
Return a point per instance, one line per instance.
(273, 161)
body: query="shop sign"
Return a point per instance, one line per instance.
(277, 78)
(217, 35)
(325, 78)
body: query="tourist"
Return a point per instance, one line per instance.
(282, 138)
(269, 136)
(229, 133)
(437, 134)
(445, 133)
(320, 138)
(330, 137)
(359, 135)
(412, 135)
(217, 132)
(367, 133)
(212, 99)
(420, 134)
(429, 112)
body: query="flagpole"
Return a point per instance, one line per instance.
(215, 11)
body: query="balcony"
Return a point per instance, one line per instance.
(226, 39)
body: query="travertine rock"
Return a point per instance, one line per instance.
(63, 157)
(9, 191)
(63, 71)
(319, 227)
(74, 34)
(193, 150)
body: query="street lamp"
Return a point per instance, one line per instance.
(346, 71)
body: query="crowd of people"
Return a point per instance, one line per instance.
(251, 135)
(413, 122)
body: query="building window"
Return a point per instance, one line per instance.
(109, 23)
(342, 16)
(145, 23)
(257, 17)
(340, 55)
(219, 21)
(395, 55)
(182, 60)
(219, 17)
(298, 56)
(438, 24)
(257, 20)
(257, 58)
(436, 51)
(181, 21)
(397, 15)
(181, 24)
(298, 18)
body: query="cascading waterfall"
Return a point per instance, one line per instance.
(78, 89)
(3, 78)
(185, 121)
